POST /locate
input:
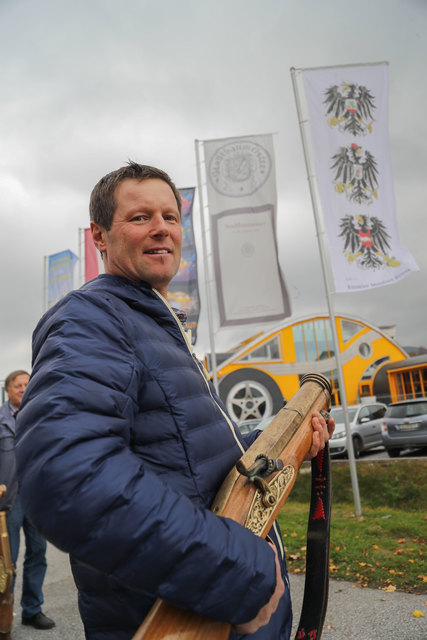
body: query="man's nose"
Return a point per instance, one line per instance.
(159, 225)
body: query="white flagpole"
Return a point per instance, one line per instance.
(213, 366)
(311, 181)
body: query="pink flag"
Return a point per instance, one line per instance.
(93, 260)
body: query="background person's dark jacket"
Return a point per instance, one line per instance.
(121, 447)
(7, 457)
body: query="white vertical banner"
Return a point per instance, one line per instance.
(348, 112)
(242, 201)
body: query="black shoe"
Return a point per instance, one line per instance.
(39, 621)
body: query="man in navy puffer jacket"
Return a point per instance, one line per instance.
(122, 442)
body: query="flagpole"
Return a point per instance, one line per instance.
(343, 397)
(213, 365)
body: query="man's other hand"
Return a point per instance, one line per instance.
(264, 614)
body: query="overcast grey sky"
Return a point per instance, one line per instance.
(87, 84)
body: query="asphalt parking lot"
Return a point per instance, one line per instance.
(353, 613)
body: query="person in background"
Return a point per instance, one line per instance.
(35, 546)
(122, 442)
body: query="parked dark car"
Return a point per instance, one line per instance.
(405, 426)
(365, 423)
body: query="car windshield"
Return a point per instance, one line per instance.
(407, 410)
(338, 414)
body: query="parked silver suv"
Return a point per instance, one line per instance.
(405, 426)
(365, 422)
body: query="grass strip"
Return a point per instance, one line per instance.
(385, 547)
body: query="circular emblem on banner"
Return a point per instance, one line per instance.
(248, 250)
(239, 168)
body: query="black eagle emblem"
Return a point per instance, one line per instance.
(350, 108)
(356, 174)
(366, 241)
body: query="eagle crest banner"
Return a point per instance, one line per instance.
(242, 199)
(348, 113)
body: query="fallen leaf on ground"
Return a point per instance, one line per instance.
(417, 614)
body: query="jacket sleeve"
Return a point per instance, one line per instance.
(89, 493)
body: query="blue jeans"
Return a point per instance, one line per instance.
(35, 564)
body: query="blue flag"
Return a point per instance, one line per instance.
(60, 278)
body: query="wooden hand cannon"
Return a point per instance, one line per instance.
(252, 494)
(6, 577)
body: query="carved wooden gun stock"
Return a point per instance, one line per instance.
(6, 577)
(252, 494)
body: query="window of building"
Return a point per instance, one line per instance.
(298, 334)
(407, 383)
(349, 329)
(365, 390)
(312, 340)
(323, 343)
(399, 386)
(267, 351)
(365, 350)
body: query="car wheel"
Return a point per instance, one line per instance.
(356, 447)
(250, 393)
(393, 453)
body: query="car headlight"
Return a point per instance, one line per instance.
(338, 434)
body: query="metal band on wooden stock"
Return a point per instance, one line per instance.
(252, 494)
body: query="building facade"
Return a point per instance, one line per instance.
(261, 373)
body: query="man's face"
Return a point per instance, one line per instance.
(144, 242)
(16, 389)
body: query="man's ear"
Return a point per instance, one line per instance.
(98, 236)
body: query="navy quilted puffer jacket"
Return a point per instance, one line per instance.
(121, 446)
